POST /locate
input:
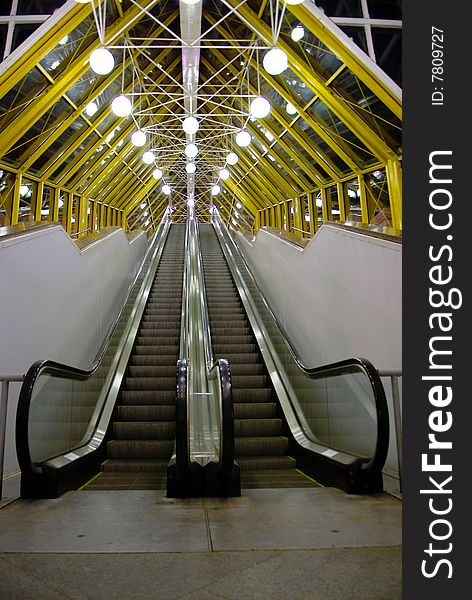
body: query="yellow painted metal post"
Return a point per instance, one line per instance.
(53, 214)
(37, 202)
(313, 212)
(15, 201)
(394, 180)
(326, 206)
(343, 208)
(81, 220)
(298, 213)
(257, 222)
(67, 212)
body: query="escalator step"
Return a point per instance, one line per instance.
(135, 430)
(149, 383)
(164, 412)
(140, 449)
(260, 446)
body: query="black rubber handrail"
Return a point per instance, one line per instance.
(335, 369)
(227, 449)
(181, 421)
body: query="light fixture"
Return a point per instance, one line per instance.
(190, 125)
(91, 109)
(190, 1)
(293, 2)
(215, 190)
(191, 202)
(239, 205)
(121, 106)
(64, 40)
(143, 205)
(166, 189)
(24, 189)
(191, 150)
(297, 33)
(138, 138)
(148, 157)
(157, 173)
(243, 138)
(102, 61)
(190, 167)
(275, 61)
(232, 158)
(224, 174)
(291, 109)
(260, 107)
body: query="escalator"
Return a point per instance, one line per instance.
(261, 442)
(143, 429)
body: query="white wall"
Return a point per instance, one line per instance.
(338, 298)
(57, 302)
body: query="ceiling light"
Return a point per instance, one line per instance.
(91, 109)
(102, 61)
(260, 107)
(297, 33)
(191, 150)
(143, 205)
(191, 202)
(275, 61)
(157, 173)
(166, 189)
(121, 106)
(224, 174)
(190, 1)
(138, 138)
(190, 167)
(24, 189)
(291, 109)
(243, 138)
(190, 125)
(293, 2)
(215, 190)
(232, 158)
(148, 157)
(238, 205)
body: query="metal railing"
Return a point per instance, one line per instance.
(5, 379)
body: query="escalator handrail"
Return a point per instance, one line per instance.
(63, 370)
(332, 369)
(182, 450)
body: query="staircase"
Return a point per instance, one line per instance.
(260, 444)
(144, 421)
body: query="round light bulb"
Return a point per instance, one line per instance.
(191, 202)
(224, 174)
(190, 1)
(166, 189)
(260, 107)
(190, 167)
(243, 138)
(215, 190)
(24, 189)
(91, 109)
(275, 61)
(157, 173)
(121, 106)
(291, 109)
(297, 33)
(293, 2)
(232, 158)
(191, 150)
(102, 61)
(138, 138)
(190, 125)
(148, 157)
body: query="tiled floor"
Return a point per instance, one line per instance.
(280, 543)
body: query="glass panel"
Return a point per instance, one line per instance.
(353, 201)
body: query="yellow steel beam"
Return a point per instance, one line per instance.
(37, 201)
(394, 181)
(14, 72)
(316, 83)
(353, 62)
(260, 177)
(15, 130)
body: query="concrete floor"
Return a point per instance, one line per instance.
(268, 544)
